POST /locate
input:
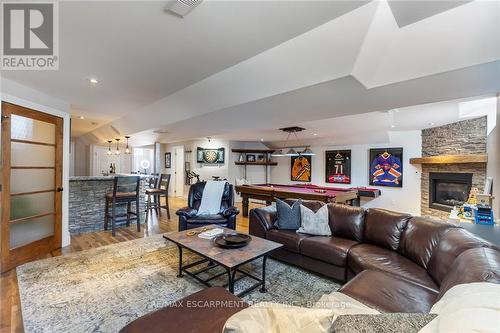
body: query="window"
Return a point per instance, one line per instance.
(143, 160)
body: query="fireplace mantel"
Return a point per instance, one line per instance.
(450, 159)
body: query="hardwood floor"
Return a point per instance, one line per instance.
(10, 307)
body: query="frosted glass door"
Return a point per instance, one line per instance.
(32, 180)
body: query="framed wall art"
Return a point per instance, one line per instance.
(251, 158)
(386, 167)
(168, 160)
(210, 156)
(300, 168)
(338, 166)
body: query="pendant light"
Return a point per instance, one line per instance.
(291, 152)
(278, 153)
(291, 148)
(117, 152)
(308, 152)
(109, 148)
(127, 149)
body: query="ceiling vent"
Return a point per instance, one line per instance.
(160, 131)
(115, 130)
(182, 7)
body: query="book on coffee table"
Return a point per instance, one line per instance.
(209, 234)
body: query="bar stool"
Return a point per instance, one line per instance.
(152, 183)
(125, 191)
(160, 191)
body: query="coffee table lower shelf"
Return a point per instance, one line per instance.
(229, 271)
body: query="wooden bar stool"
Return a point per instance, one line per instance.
(157, 193)
(152, 183)
(125, 191)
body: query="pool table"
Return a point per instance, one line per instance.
(269, 193)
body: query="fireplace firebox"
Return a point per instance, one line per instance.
(448, 189)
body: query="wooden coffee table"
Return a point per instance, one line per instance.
(230, 259)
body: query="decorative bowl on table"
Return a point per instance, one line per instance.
(232, 240)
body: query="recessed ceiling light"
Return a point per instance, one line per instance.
(261, 139)
(392, 126)
(431, 124)
(81, 117)
(315, 134)
(93, 81)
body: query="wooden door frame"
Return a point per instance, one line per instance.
(11, 258)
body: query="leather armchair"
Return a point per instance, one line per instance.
(226, 217)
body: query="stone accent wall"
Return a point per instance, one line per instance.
(87, 203)
(461, 138)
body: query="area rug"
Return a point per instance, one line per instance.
(103, 289)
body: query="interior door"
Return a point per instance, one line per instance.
(179, 171)
(31, 198)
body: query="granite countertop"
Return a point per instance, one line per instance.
(110, 177)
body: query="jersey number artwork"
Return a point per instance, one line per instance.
(338, 166)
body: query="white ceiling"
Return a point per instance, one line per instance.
(140, 53)
(337, 98)
(244, 66)
(374, 127)
(411, 11)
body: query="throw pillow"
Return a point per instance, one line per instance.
(288, 216)
(269, 317)
(386, 322)
(468, 307)
(314, 223)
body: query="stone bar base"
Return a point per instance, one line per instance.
(87, 202)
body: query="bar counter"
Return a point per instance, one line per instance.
(87, 202)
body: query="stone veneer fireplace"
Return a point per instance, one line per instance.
(448, 189)
(451, 179)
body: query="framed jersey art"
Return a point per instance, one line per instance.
(338, 166)
(386, 167)
(300, 169)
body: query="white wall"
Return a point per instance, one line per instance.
(80, 158)
(228, 170)
(405, 199)
(493, 168)
(255, 173)
(204, 170)
(100, 160)
(72, 158)
(16, 93)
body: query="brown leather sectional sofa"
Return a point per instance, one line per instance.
(392, 261)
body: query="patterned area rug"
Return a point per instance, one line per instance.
(103, 289)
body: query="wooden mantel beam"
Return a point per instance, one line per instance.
(450, 159)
